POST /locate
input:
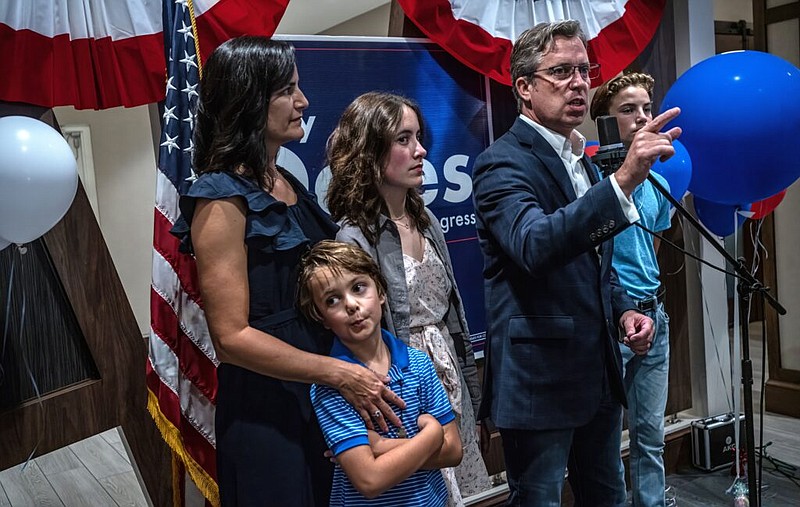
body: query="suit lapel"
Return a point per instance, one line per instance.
(550, 159)
(590, 169)
(555, 167)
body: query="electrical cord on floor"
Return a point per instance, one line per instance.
(777, 466)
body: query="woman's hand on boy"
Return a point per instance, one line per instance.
(329, 455)
(366, 391)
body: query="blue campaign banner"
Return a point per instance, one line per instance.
(453, 98)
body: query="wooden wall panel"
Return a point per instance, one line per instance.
(35, 316)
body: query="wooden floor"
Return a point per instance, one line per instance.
(695, 488)
(97, 471)
(92, 472)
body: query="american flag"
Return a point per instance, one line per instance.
(181, 370)
(181, 367)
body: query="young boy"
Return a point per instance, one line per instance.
(342, 287)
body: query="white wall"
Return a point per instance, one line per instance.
(311, 17)
(124, 164)
(783, 39)
(733, 10)
(374, 23)
(788, 273)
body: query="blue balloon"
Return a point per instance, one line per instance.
(677, 170)
(736, 110)
(717, 217)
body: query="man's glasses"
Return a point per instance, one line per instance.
(564, 72)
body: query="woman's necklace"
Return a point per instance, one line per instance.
(398, 221)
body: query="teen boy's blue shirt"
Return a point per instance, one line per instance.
(634, 255)
(413, 378)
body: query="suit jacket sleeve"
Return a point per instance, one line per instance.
(620, 301)
(534, 226)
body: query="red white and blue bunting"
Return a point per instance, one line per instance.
(480, 33)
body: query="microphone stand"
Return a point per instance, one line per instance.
(747, 285)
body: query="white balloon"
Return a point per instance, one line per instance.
(3, 244)
(38, 178)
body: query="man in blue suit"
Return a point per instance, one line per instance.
(554, 307)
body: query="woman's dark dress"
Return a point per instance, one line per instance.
(269, 446)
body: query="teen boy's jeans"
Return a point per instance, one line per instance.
(646, 380)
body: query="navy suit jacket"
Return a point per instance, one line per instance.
(553, 304)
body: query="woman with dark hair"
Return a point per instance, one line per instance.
(375, 155)
(248, 222)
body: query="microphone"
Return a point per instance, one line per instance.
(612, 152)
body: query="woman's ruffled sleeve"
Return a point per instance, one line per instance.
(268, 227)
